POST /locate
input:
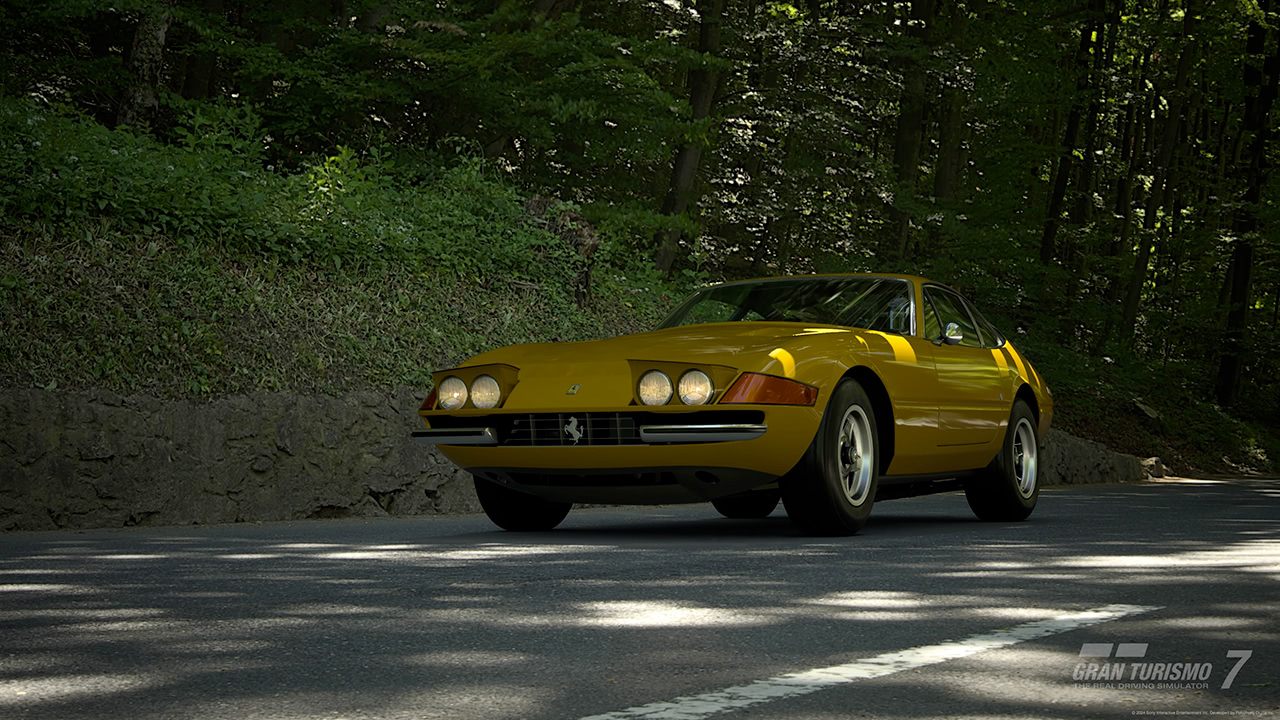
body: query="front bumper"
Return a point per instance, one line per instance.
(762, 441)
(649, 434)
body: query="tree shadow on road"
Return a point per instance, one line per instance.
(385, 619)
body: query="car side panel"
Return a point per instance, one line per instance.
(1022, 372)
(905, 366)
(973, 395)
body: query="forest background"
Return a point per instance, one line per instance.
(221, 196)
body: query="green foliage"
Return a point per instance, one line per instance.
(338, 210)
(186, 270)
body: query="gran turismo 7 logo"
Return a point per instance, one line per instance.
(1121, 665)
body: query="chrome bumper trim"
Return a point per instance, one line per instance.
(699, 433)
(457, 436)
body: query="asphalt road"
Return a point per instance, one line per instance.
(668, 612)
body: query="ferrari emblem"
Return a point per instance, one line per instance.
(572, 430)
(573, 389)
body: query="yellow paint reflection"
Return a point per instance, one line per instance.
(998, 354)
(902, 350)
(1022, 369)
(787, 360)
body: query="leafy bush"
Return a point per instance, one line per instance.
(208, 190)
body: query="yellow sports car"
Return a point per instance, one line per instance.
(827, 392)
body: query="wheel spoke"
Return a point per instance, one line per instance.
(1024, 458)
(854, 451)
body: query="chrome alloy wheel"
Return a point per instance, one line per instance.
(1024, 457)
(855, 453)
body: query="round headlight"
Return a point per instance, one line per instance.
(695, 388)
(453, 393)
(655, 388)
(485, 392)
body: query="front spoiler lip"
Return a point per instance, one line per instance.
(649, 434)
(654, 485)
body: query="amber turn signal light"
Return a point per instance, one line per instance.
(758, 389)
(430, 402)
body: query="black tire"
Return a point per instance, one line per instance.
(1008, 488)
(749, 505)
(815, 492)
(513, 510)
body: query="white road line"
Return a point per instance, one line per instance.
(696, 707)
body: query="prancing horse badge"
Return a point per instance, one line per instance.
(573, 389)
(572, 430)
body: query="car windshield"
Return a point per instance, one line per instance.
(873, 303)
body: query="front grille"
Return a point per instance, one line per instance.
(607, 428)
(593, 428)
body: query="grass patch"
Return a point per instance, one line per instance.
(97, 309)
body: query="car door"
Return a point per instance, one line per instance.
(970, 402)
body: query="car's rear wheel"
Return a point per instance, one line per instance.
(832, 488)
(748, 505)
(1008, 488)
(513, 510)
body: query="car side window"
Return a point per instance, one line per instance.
(991, 337)
(932, 328)
(951, 310)
(988, 340)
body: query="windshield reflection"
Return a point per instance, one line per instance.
(871, 303)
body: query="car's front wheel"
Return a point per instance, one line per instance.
(831, 490)
(748, 505)
(513, 510)
(1008, 488)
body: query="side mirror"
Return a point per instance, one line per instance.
(953, 335)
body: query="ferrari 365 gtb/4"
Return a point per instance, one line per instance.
(827, 392)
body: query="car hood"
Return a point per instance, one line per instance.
(714, 343)
(604, 371)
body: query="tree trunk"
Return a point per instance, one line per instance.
(1232, 364)
(703, 84)
(199, 79)
(764, 77)
(1138, 126)
(146, 60)
(373, 21)
(1079, 251)
(946, 176)
(1159, 188)
(1275, 311)
(1224, 292)
(1088, 168)
(910, 128)
(1261, 95)
(1058, 196)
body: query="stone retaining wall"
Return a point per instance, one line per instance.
(71, 460)
(101, 460)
